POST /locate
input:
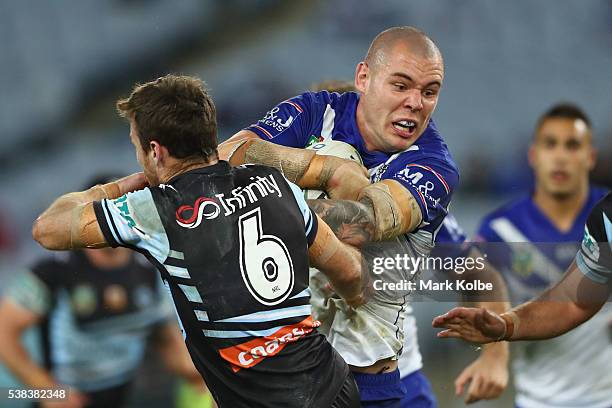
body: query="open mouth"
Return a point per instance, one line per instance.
(559, 175)
(405, 127)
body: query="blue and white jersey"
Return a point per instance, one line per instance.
(426, 168)
(571, 370)
(411, 360)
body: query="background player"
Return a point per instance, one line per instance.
(96, 309)
(238, 277)
(541, 233)
(577, 297)
(412, 172)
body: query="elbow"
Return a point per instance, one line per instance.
(41, 234)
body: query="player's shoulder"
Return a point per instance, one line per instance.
(513, 209)
(53, 261)
(599, 222)
(322, 100)
(514, 212)
(53, 268)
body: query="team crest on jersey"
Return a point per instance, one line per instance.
(314, 139)
(522, 262)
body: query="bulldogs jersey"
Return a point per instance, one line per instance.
(571, 370)
(411, 360)
(231, 245)
(426, 168)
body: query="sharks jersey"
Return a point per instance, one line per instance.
(231, 245)
(95, 321)
(595, 256)
(572, 370)
(426, 170)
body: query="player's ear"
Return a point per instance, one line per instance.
(361, 76)
(592, 158)
(531, 155)
(155, 149)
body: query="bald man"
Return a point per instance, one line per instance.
(402, 197)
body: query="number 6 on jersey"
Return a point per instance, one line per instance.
(265, 263)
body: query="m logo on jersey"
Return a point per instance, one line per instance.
(204, 208)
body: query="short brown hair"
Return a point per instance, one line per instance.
(175, 111)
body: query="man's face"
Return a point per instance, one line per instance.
(399, 95)
(144, 158)
(562, 156)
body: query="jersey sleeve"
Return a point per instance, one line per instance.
(594, 259)
(431, 186)
(132, 221)
(28, 290)
(290, 123)
(311, 222)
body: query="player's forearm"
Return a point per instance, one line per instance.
(63, 224)
(351, 221)
(342, 264)
(575, 297)
(16, 358)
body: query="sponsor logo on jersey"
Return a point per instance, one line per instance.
(280, 121)
(251, 353)
(589, 245)
(124, 210)
(84, 300)
(207, 208)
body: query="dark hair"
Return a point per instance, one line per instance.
(564, 110)
(177, 112)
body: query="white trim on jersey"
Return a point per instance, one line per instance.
(543, 267)
(177, 271)
(328, 122)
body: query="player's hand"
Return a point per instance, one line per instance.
(471, 324)
(487, 376)
(347, 180)
(75, 400)
(133, 182)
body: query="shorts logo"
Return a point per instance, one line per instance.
(204, 208)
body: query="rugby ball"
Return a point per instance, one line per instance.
(331, 148)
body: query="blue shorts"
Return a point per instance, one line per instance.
(418, 391)
(380, 390)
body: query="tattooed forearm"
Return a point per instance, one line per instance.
(351, 221)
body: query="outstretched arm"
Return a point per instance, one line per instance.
(576, 297)
(70, 222)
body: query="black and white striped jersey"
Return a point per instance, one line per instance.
(231, 245)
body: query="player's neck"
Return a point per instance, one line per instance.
(179, 167)
(561, 211)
